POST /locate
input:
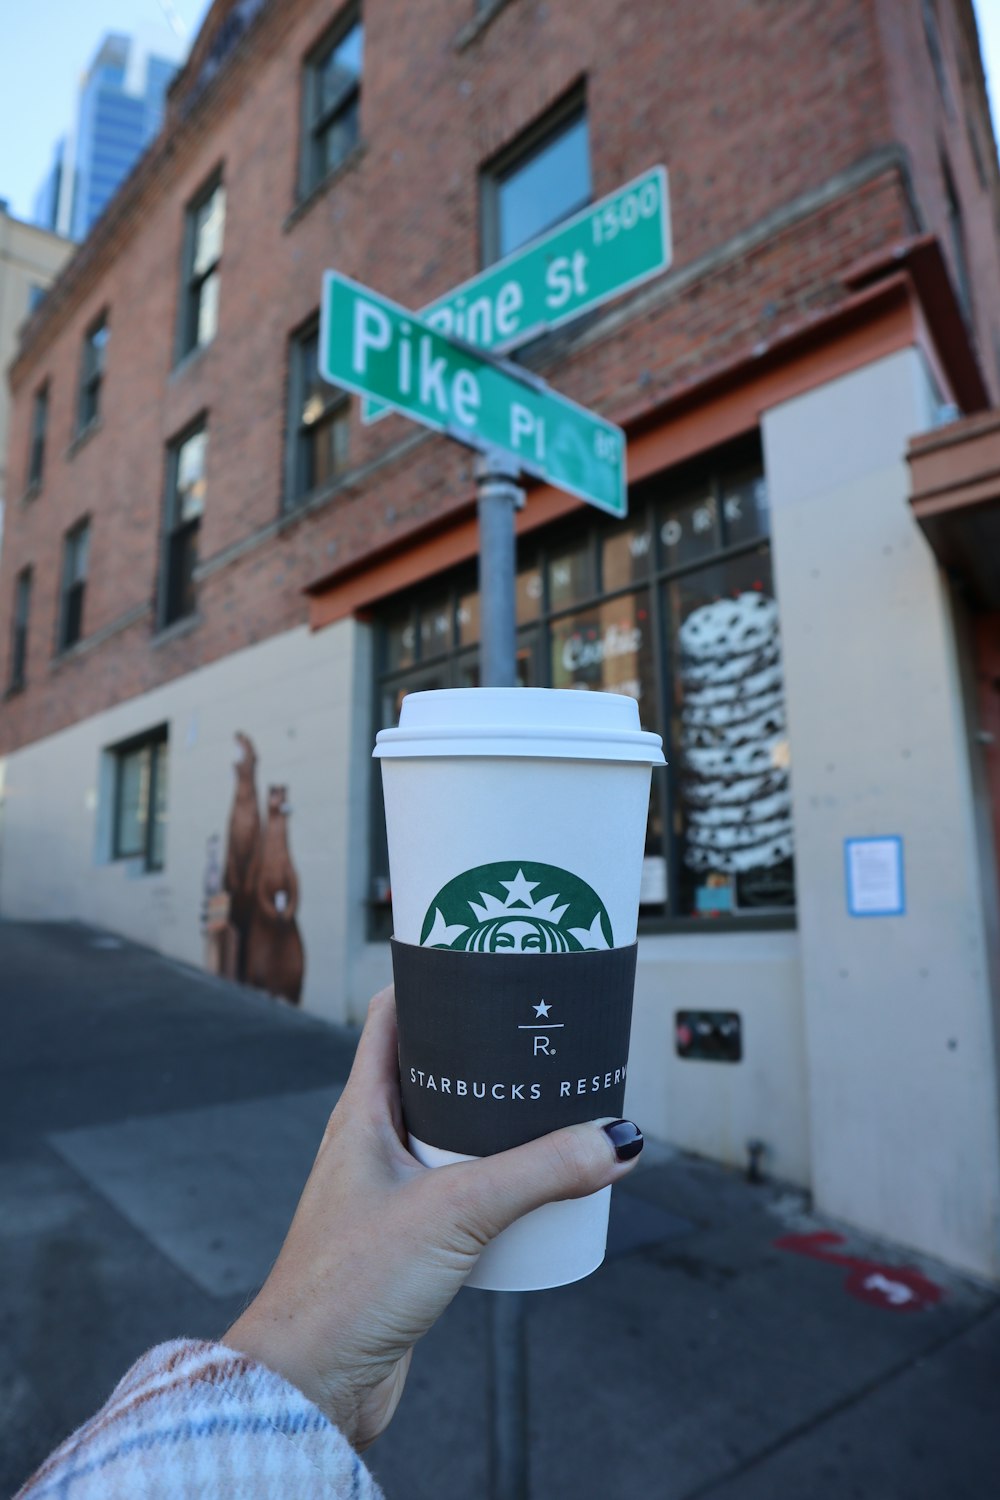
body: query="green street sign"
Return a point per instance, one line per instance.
(601, 252)
(375, 347)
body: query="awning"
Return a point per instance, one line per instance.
(955, 495)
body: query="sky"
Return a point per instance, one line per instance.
(47, 44)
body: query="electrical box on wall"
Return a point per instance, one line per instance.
(709, 1035)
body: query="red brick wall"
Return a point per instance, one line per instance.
(935, 124)
(751, 105)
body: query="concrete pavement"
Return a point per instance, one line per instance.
(156, 1126)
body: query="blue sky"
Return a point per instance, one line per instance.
(47, 44)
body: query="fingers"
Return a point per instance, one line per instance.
(376, 1064)
(373, 1087)
(486, 1196)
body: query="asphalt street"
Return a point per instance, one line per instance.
(156, 1126)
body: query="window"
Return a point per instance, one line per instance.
(932, 35)
(19, 641)
(36, 296)
(39, 427)
(956, 234)
(206, 222)
(76, 549)
(542, 179)
(331, 98)
(95, 348)
(184, 509)
(675, 608)
(318, 422)
(140, 799)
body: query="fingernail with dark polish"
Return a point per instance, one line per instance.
(625, 1137)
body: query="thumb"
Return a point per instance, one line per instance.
(488, 1195)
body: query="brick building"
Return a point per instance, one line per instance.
(219, 547)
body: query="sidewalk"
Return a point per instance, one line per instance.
(156, 1126)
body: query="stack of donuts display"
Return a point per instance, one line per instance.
(734, 737)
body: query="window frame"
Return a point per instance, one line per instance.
(314, 122)
(92, 371)
(23, 585)
(717, 473)
(158, 742)
(72, 587)
(560, 118)
(192, 281)
(37, 439)
(296, 493)
(171, 532)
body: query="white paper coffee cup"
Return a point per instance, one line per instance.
(516, 822)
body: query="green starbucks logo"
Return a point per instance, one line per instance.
(511, 907)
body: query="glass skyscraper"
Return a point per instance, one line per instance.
(120, 109)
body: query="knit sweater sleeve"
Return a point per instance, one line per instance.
(202, 1421)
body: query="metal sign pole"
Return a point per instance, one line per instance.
(499, 498)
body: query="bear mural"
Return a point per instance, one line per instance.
(261, 887)
(275, 958)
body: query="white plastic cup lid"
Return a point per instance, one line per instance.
(549, 723)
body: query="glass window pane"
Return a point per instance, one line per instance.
(158, 832)
(189, 503)
(529, 594)
(208, 309)
(745, 508)
(625, 556)
(730, 739)
(571, 575)
(545, 188)
(400, 638)
(78, 553)
(435, 629)
(210, 222)
(133, 794)
(98, 348)
(468, 618)
(688, 528)
(609, 647)
(467, 667)
(339, 72)
(337, 138)
(331, 442)
(182, 559)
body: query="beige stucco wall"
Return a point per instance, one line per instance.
(303, 700)
(899, 1011)
(28, 256)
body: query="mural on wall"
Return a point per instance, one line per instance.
(250, 906)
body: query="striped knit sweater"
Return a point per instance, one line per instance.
(199, 1421)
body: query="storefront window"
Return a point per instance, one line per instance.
(674, 607)
(608, 647)
(571, 574)
(732, 812)
(625, 556)
(688, 528)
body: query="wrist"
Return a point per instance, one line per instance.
(264, 1340)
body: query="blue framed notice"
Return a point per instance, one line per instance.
(874, 871)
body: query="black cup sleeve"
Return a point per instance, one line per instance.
(496, 1049)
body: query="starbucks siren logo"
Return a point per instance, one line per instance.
(513, 907)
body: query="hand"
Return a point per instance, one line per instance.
(380, 1244)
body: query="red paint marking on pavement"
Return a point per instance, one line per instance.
(898, 1288)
